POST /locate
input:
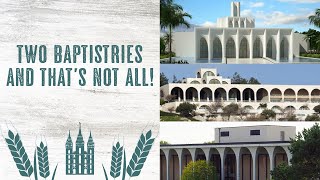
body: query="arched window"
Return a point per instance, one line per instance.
(203, 48)
(214, 81)
(231, 48)
(208, 73)
(244, 50)
(194, 82)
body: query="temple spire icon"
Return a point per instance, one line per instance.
(79, 161)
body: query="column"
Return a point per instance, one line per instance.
(185, 95)
(237, 153)
(227, 96)
(264, 44)
(179, 152)
(278, 46)
(193, 154)
(254, 168)
(255, 96)
(289, 155)
(207, 154)
(237, 46)
(291, 47)
(241, 97)
(223, 44)
(251, 45)
(213, 99)
(166, 153)
(209, 46)
(222, 157)
(271, 157)
(253, 151)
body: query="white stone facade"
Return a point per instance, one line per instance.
(236, 37)
(207, 88)
(234, 159)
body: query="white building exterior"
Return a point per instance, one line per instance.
(207, 87)
(239, 153)
(236, 37)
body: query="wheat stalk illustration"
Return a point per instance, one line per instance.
(116, 160)
(19, 154)
(140, 154)
(35, 165)
(43, 160)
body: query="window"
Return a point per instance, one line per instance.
(254, 132)
(224, 133)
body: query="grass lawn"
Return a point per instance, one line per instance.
(166, 116)
(311, 55)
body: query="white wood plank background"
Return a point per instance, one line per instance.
(115, 111)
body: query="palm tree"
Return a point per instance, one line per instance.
(315, 19)
(171, 16)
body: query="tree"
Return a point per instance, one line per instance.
(162, 102)
(231, 109)
(313, 36)
(317, 109)
(291, 117)
(315, 19)
(162, 46)
(163, 79)
(170, 98)
(282, 172)
(171, 16)
(199, 170)
(164, 143)
(242, 111)
(268, 113)
(214, 107)
(305, 153)
(237, 79)
(253, 80)
(174, 79)
(263, 105)
(313, 117)
(185, 109)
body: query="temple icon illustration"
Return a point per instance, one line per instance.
(80, 162)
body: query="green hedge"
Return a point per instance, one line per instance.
(311, 55)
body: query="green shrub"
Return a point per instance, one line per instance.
(162, 102)
(199, 170)
(313, 117)
(185, 109)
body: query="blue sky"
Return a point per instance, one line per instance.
(268, 13)
(285, 74)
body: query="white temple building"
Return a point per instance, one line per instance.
(235, 38)
(207, 87)
(238, 153)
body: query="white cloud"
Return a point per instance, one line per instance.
(256, 4)
(247, 13)
(279, 18)
(300, 1)
(209, 24)
(276, 17)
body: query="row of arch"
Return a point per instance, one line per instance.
(246, 95)
(244, 49)
(232, 163)
(276, 109)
